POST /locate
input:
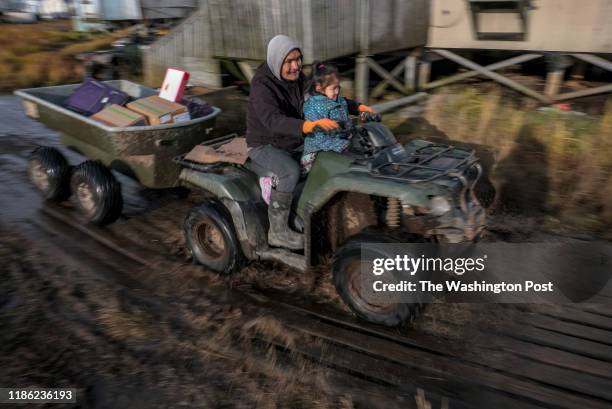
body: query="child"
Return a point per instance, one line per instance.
(325, 102)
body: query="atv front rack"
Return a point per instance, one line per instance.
(424, 164)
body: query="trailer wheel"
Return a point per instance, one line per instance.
(49, 171)
(347, 270)
(96, 193)
(210, 235)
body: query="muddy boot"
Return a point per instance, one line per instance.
(280, 234)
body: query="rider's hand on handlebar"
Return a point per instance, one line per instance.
(365, 108)
(324, 124)
(369, 117)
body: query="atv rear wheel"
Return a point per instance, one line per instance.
(347, 275)
(49, 171)
(96, 193)
(211, 237)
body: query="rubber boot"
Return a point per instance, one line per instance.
(280, 234)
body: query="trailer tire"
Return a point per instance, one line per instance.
(347, 276)
(211, 237)
(96, 193)
(49, 171)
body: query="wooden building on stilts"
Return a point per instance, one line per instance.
(396, 41)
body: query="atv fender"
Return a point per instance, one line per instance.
(251, 224)
(239, 192)
(232, 183)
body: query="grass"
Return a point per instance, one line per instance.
(552, 163)
(45, 53)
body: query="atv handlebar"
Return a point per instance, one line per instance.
(342, 127)
(349, 126)
(369, 117)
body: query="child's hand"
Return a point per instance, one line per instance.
(325, 123)
(365, 108)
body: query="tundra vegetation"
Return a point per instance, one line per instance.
(544, 162)
(33, 55)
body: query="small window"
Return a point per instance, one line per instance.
(501, 20)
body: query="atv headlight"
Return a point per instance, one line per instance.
(439, 205)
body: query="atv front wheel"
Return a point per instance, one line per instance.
(347, 275)
(96, 193)
(50, 173)
(211, 237)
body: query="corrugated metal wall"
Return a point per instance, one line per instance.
(241, 28)
(154, 9)
(397, 24)
(327, 29)
(188, 39)
(334, 27)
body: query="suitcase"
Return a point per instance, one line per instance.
(92, 96)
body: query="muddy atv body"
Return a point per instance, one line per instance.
(382, 192)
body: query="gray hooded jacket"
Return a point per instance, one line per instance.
(274, 114)
(278, 48)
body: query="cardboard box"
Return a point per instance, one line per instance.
(115, 115)
(174, 84)
(160, 111)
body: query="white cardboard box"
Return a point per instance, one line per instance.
(174, 84)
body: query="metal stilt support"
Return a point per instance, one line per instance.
(410, 73)
(362, 77)
(554, 80)
(424, 73)
(493, 75)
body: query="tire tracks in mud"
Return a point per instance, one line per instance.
(81, 311)
(268, 342)
(78, 319)
(405, 364)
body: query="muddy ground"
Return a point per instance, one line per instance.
(75, 314)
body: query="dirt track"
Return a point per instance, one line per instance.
(71, 320)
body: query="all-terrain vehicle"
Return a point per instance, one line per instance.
(381, 191)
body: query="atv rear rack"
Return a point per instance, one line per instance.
(205, 167)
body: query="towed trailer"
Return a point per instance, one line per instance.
(143, 153)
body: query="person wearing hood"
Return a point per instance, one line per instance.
(275, 130)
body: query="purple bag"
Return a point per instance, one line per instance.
(197, 107)
(92, 96)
